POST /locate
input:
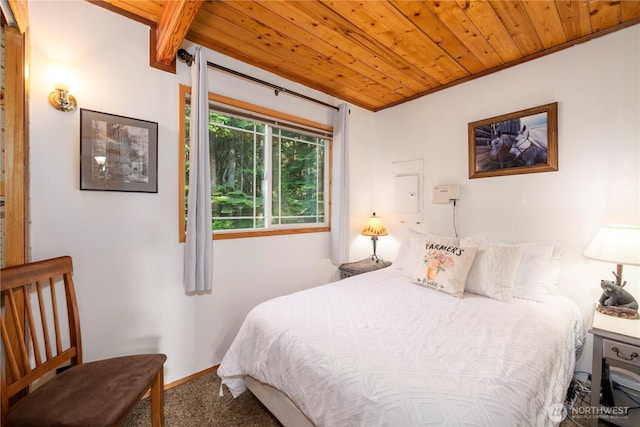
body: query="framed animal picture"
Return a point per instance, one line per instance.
(524, 141)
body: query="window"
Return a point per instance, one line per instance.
(269, 171)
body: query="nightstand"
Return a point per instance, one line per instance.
(616, 342)
(364, 266)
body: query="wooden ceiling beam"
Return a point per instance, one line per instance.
(173, 25)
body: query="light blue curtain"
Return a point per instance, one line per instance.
(198, 249)
(340, 187)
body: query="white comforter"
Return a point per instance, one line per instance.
(376, 350)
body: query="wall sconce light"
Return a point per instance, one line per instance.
(61, 99)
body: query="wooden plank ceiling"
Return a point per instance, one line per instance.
(376, 54)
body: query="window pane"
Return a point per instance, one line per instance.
(298, 189)
(237, 167)
(237, 146)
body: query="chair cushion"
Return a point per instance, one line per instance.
(92, 394)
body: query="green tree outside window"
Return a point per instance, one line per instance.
(239, 154)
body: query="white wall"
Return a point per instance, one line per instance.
(125, 245)
(128, 261)
(597, 87)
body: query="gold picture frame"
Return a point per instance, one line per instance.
(524, 141)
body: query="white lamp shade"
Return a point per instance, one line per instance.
(618, 244)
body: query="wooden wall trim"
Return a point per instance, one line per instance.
(186, 379)
(20, 13)
(191, 377)
(16, 155)
(16, 147)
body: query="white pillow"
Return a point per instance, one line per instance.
(555, 267)
(443, 267)
(539, 269)
(534, 271)
(404, 252)
(413, 245)
(493, 273)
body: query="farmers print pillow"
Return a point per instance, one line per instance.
(444, 267)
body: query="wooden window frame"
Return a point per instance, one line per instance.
(183, 92)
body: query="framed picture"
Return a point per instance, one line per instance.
(521, 142)
(118, 153)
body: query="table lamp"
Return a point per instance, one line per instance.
(374, 228)
(618, 244)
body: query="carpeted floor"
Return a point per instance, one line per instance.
(197, 404)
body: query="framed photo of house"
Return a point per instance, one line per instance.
(118, 153)
(524, 141)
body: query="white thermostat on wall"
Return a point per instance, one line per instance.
(445, 193)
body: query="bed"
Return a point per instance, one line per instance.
(379, 349)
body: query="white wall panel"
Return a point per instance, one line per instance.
(597, 87)
(128, 261)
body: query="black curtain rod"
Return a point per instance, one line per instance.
(188, 58)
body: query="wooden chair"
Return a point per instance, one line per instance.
(93, 394)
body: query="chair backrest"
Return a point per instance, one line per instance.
(34, 331)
